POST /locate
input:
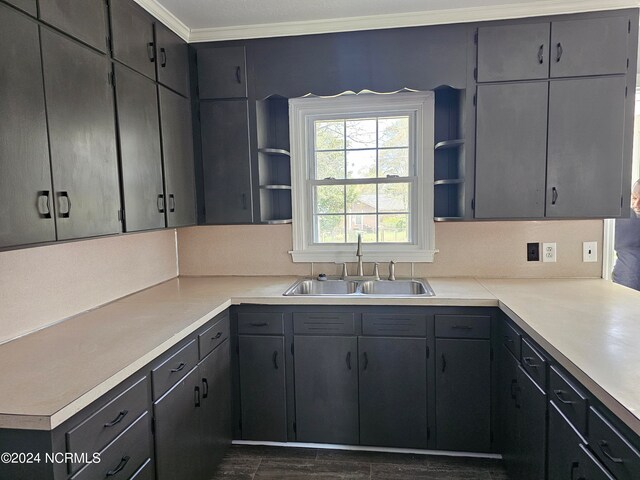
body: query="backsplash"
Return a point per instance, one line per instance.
(43, 285)
(473, 249)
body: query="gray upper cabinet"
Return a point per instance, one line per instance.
(173, 60)
(85, 20)
(595, 46)
(26, 197)
(585, 152)
(140, 159)
(132, 37)
(511, 146)
(222, 72)
(29, 6)
(513, 52)
(82, 138)
(177, 151)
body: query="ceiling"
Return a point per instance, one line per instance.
(211, 20)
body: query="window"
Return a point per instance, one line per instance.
(363, 164)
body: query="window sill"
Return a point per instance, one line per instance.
(368, 256)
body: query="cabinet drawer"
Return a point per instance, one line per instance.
(617, 454)
(463, 326)
(534, 364)
(394, 325)
(511, 339)
(589, 468)
(257, 323)
(174, 368)
(213, 336)
(108, 422)
(569, 400)
(324, 323)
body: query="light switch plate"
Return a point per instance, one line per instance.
(589, 251)
(549, 252)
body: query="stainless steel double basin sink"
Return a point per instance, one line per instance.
(357, 287)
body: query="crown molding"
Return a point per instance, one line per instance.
(413, 19)
(165, 16)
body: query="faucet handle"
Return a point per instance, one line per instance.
(392, 270)
(376, 272)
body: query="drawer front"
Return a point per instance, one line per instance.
(463, 326)
(145, 472)
(261, 323)
(394, 325)
(324, 323)
(165, 375)
(213, 336)
(124, 456)
(569, 400)
(103, 426)
(589, 468)
(613, 450)
(534, 364)
(511, 339)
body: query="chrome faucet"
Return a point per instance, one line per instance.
(345, 273)
(359, 255)
(392, 270)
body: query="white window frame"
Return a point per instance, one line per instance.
(302, 114)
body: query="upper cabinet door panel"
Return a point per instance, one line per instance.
(29, 6)
(26, 207)
(589, 47)
(82, 138)
(173, 60)
(513, 52)
(222, 72)
(84, 20)
(132, 30)
(585, 152)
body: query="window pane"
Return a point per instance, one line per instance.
(361, 164)
(393, 132)
(361, 133)
(363, 224)
(329, 229)
(393, 228)
(329, 164)
(329, 135)
(394, 162)
(330, 199)
(361, 198)
(393, 197)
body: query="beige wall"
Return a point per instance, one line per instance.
(479, 249)
(43, 285)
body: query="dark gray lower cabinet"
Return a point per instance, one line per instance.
(531, 429)
(326, 389)
(262, 387)
(463, 395)
(393, 391)
(508, 407)
(563, 453)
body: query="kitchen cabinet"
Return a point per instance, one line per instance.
(612, 448)
(28, 6)
(563, 452)
(226, 161)
(132, 37)
(508, 407)
(26, 196)
(531, 428)
(589, 468)
(177, 153)
(82, 138)
(86, 20)
(140, 157)
(222, 72)
(172, 63)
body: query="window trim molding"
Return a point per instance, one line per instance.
(301, 111)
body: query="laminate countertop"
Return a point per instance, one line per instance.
(591, 327)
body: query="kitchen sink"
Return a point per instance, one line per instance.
(360, 287)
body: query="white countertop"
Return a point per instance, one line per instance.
(590, 326)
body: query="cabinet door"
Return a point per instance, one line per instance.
(263, 400)
(585, 159)
(222, 73)
(463, 395)
(326, 379)
(393, 391)
(508, 409)
(511, 150)
(140, 158)
(513, 52)
(177, 151)
(177, 439)
(132, 36)
(532, 429)
(215, 420)
(28, 6)
(82, 138)
(596, 46)
(85, 20)
(173, 60)
(563, 451)
(226, 159)
(26, 199)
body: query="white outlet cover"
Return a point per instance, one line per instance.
(549, 252)
(589, 251)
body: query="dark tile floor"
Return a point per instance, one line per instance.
(243, 462)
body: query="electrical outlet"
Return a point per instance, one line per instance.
(549, 252)
(589, 251)
(533, 252)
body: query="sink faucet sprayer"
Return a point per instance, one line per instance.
(359, 255)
